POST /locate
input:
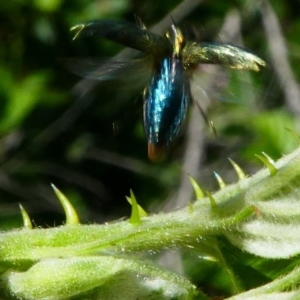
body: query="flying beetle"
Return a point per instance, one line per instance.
(165, 67)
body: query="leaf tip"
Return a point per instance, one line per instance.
(142, 212)
(240, 173)
(198, 191)
(71, 215)
(213, 203)
(26, 220)
(220, 181)
(268, 162)
(135, 218)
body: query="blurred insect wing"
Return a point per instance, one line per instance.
(135, 71)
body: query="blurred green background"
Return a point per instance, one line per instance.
(51, 132)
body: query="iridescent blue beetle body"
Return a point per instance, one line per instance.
(166, 100)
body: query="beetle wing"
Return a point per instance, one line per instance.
(127, 34)
(229, 55)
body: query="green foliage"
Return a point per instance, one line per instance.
(257, 214)
(101, 277)
(21, 99)
(50, 132)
